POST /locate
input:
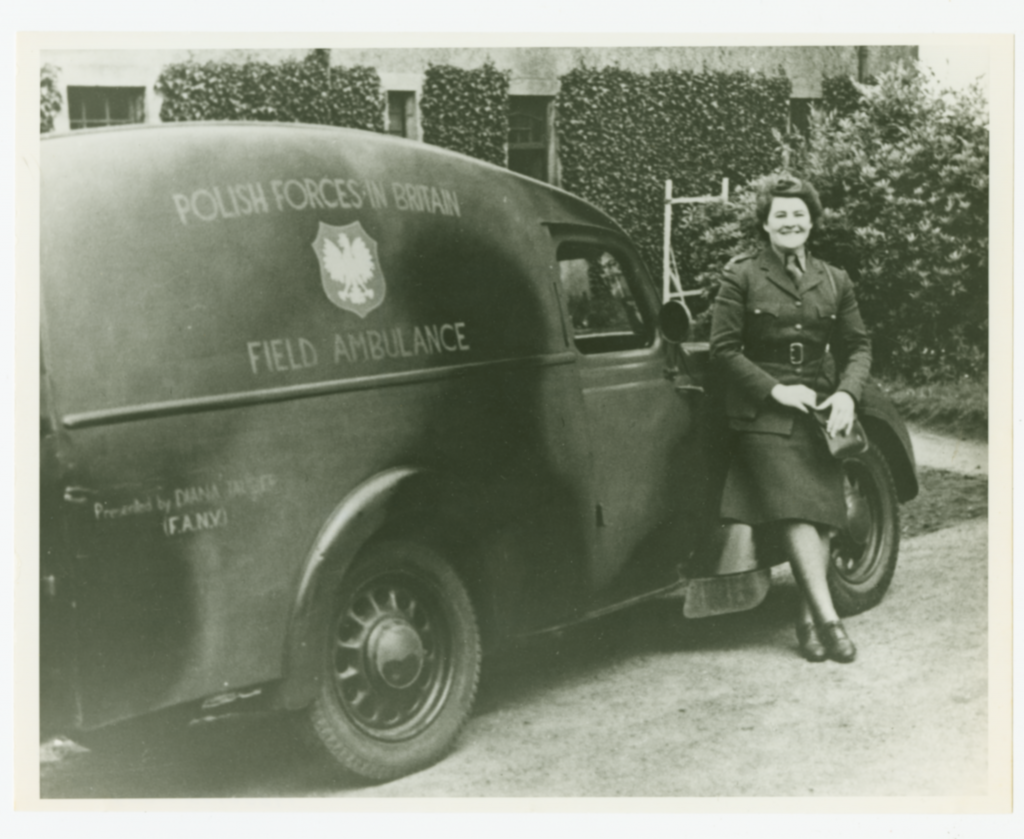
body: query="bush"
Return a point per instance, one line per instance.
(466, 110)
(50, 99)
(309, 91)
(622, 134)
(904, 178)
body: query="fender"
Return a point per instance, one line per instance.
(888, 431)
(358, 517)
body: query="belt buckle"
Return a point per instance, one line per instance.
(796, 353)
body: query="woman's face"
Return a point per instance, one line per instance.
(789, 224)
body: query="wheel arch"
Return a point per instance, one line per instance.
(897, 454)
(396, 503)
(889, 434)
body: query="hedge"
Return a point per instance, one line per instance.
(307, 90)
(622, 133)
(467, 110)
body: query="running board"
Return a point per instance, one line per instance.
(674, 589)
(708, 596)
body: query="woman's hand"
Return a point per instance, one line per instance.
(840, 420)
(800, 397)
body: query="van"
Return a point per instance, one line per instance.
(327, 413)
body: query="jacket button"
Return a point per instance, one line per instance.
(799, 303)
(799, 326)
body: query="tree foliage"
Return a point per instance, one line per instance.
(50, 98)
(467, 110)
(905, 179)
(309, 90)
(622, 134)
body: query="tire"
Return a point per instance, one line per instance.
(400, 666)
(864, 553)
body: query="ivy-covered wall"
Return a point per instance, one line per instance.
(309, 90)
(622, 133)
(466, 110)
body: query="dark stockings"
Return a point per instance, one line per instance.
(808, 549)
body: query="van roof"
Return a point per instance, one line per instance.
(593, 214)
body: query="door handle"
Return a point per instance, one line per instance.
(681, 389)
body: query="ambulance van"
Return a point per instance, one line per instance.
(325, 413)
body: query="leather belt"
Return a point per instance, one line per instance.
(795, 353)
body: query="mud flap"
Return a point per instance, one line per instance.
(708, 596)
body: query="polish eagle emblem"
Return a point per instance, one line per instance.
(350, 268)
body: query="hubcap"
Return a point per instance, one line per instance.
(396, 652)
(392, 656)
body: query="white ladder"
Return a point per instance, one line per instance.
(671, 285)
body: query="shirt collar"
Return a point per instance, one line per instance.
(800, 254)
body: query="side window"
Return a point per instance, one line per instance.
(604, 312)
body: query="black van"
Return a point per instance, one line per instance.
(324, 412)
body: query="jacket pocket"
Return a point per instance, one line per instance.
(738, 404)
(762, 308)
(826, 311)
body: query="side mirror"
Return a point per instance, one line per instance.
(674, 322)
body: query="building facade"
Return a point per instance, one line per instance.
(116, 87)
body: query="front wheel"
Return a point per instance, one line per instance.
(864, 553)
(401, 664)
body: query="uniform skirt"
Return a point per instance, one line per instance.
(773, 477)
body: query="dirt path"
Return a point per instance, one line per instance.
(938, 451)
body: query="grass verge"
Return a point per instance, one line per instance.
(945, 499)
(959, 408)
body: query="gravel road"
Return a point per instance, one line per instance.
(939, 451)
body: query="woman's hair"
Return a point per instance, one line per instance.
(785, 186)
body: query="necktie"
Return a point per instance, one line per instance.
(793, 269)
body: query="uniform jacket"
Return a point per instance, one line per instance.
(758, 311)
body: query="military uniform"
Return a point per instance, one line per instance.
(768, 330)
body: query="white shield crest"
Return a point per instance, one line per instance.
(350, 268)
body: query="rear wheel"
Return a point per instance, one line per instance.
(864, 553)
(400, 665)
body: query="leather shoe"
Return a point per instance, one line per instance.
(837, 643)
(811, 647)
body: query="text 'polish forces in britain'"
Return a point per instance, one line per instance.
(229, 201)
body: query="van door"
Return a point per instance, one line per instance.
(646, 425)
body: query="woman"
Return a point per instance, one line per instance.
(776, 315)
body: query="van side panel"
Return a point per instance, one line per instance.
(218, 395)
(192, 545)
